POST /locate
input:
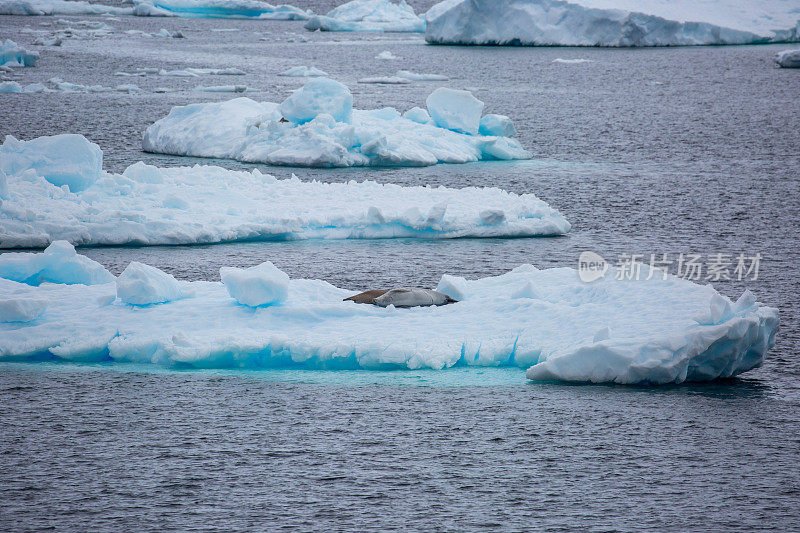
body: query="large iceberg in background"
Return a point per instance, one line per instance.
(612, 22)
(324, 131)
(369, 15)
(219, 9)
(59, 7)
(632, 331)
(205, 204)
(13, 55)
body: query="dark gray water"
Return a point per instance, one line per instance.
(693, 150)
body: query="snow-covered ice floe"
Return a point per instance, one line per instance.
(369, 15)
(255, 9)
(158, 8)
(13, 55)
(547, 321)
(303, 71)
(612, 22)
(54, 188)
(788, 58)
(323, 130)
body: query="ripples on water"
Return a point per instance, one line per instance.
(645, 151)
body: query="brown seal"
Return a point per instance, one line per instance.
(367, 297)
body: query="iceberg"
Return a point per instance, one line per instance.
(13, 55)
(59, 263)
(146, 205)
(369, 15)
(256, 286)
(59, 7)
(499, 125)
(612, 22)
(317, 127)
(246, 9)
(141, 284)
(788, 58)
(656, 331)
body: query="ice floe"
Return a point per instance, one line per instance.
(612, 22)
(223, 88)
(204, 204)
(369, 15)
(59, 7)
(652, 331)
(324, 131)
(385, 80)
(303, 72)
(13, 55)
(249, 9)
(141, 284)
(59, 263)
(788, 58)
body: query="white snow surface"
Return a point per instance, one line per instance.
(258, 285)
(369, 16)
(634, 331)
(205, 204)
(13, 55)
(324, 131)
(613, 22)
(788, 58)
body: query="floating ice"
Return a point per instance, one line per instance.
(58, 7)
(612, 22)
(415, 76)
(65, 159)
(499, 125)
(576, 61)
(148, 205)
(608, 331)
(385, 80)
(319, 96)
(220, 9)
(386, 54)
(455, 110)
(15, 309)
(59, 263)
(13, 55)
(222, 88)
(788, 58)
(141, 284)
(369, 15)
(10, 87)
(303, 72)
(417, 114)
(256, 286)
(250, 131)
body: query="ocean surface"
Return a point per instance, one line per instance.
(645, 151)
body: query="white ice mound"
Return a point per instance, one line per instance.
(59, 263)
(15, 309)
(324, 131)
(256, 286)
(318, 96)
(13, 55)
(249, 9)
(59, 7)
(303, 71)
(788, 58)
(612, 22)
(141, 284)
(148, 205)
(369, 15)
(65, 159)
(455, 110)
(655, 331)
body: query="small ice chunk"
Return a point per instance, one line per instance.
(453, 286)
(497, 125)
(59, 263)
(141, 284)
(419, 115)
(259, 285)
(21, 309)
(10, 87)
(572, 61)
(318, 96)
(222, 88)
(66, 159)
(603, 334)
(788, 58)
(13, 55)
(304, 72)
(455, 110)
(415, 76)
(34, 88)
(386, 54)
(385, 80)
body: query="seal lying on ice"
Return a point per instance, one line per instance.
(402, 297)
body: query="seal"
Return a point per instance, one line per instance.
(402, 297)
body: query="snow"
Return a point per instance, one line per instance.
(59, 263)
(788, 58)
(612, 22)
(256, 286)
(455, 110)
(65, 159)
(318, 96)
(250, 131)
(499, 125)
(369, 15)
(617, 331)
(303, 72)
(141, 284)
(147, 205)
(15, 309)
(13, 55)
